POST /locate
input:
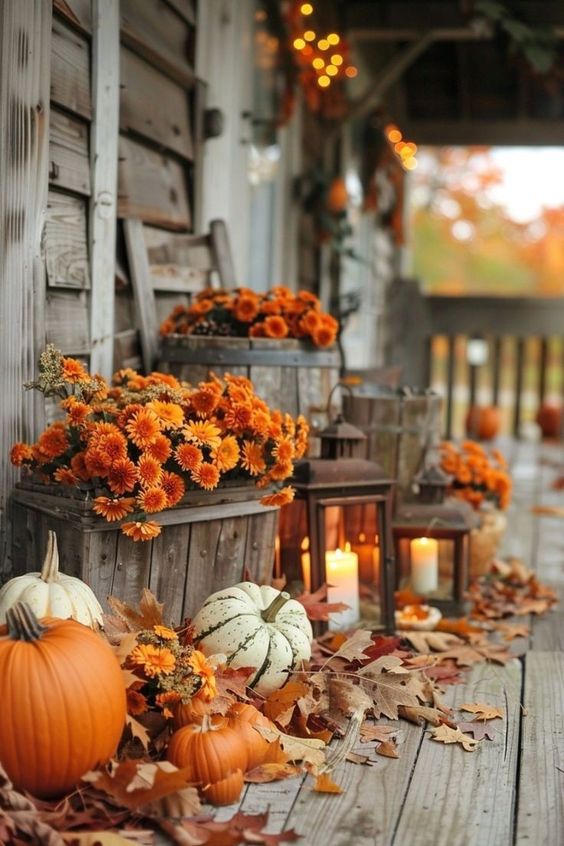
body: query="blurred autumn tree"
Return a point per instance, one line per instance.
(465, 243)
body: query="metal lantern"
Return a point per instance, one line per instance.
(335, 489)
(432, 550)
(431, 485)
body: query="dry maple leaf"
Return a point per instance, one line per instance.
(421, 714)
(20, 817)
(150, 612)
(432, 641)
(325, 784)
(510, 631)
(271, 772)
(137, 785)
(479, 729)
(387, 749)
(482, 712)
(316, 605)
(390, 685)
(306, 749)
(445, 734)
(370, 732)
(353, 647)
(461, 627)
(280, 705)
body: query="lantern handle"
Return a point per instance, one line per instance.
(332, 391)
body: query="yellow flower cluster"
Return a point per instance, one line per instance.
(144, 441)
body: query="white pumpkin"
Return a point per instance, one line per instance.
(52, 594)
(255, 627)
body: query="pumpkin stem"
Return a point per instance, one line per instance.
(269, 614)
(23, 624)
(50, 569)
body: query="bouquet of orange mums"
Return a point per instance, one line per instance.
(478, 476)
(243, 313)
(138, 445)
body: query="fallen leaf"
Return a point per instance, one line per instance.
(390, 685)
(150, 611)
(271, 772)
(447, 672)
(316, 605)
(387, 749)
(432, 641)
(355, 758)
(94, 838)
(510, 631)
(461, 627)
(369, 733)
(445, 734)
(308, 750)
(138, 730)
(325, 784)
(407, 597)
(548, 510)
(137, 784)
(479, 729)
(19, 815)
(420, 714)
(353, 647)
(280, 705)
(482, 712)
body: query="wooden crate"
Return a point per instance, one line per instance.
(287, 374)
(400, 427)
(207, 543)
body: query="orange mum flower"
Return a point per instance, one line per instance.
(122, 476)
(310, 322)
(169, 414)
(154, 660)
(78, 466)
(163, 700)
(136, 703)
(257, 330)
(275, 327)
(20, 454)
(205, 671)
(206, 476)
(260, 423)
(97, 463)
(226, 455)
(160, 449)
(141, 531)
(112, 509)
(65, 476)
(246, 308)
(114, 446)
(282, 292)
(54, 441)
(283, 450)
(204, 401)
(281, 470)
(149, 471)
(307, 297)
(164, 632)
(271, 307)
(252, 458)
(167, 327)
(173, 486)
(73, 370)
(324, 336)
(188, 456)
(128, 413)
(143, 428)
(203, 433)
(77, 411)
(152, 500)
(280, 498)
(238, 417)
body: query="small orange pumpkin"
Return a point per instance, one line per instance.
(211, 751)
(337, 196)
(483, 422)
(242, 718)
(63, 701)
(189, 712)
(549, 420)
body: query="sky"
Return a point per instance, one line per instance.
(533, 178)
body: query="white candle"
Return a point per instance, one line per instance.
(424, 565)
(306, 565)
(341, 570)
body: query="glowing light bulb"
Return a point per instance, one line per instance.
(410, 164)
(318, 63)
(333, 38)
(351, 72)
(323, 44)
(393, 134)
(337, 59)
(309, 35)
(332, 70)
(306, 9)
(299, 44)
(324, 81)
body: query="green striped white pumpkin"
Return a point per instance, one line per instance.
(255, 627)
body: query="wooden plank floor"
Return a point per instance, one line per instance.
(509, 791)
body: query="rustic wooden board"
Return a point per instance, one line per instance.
(195, 373)
(259, 554)
(66, 321)
(77, 13)
(168, 570)
(540, 804)
(70, 70)
(278, 797)
(154, 106)
(100, 556)
(66, 247)
(151, 187)
(69, 165)
(458, 798)
(131, 569)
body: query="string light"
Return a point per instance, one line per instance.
(309, 35)
(306, 9)
(318, 63)
(333, 38)
(323, 44)
(351, 72)
(405, 150)
(299, 43)
(324, 81)
(337, 59)
(332, 70)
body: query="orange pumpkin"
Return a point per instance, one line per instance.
(337, 196)
(211, 751)
(189, 712)
(483, 422)
(549, 420)
(63, 701)
(242, 718)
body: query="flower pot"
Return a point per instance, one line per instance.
(485, 541)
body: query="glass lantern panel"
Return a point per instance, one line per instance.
(427, 566)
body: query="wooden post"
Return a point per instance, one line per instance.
(25, 46)
(104, 158)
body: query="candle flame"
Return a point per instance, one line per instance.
(305, 544)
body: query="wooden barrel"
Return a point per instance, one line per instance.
(210, 541)
(400, 426)
(288, 374)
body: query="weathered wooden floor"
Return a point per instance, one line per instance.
(509, 791)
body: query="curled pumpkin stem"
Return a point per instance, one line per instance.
(50, 569)
(269, 614)
(23, 624)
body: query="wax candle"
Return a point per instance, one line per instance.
(306, 565)
(341, 568)
(376, 561)
(424, 565)
(277, 562)
(364, 550)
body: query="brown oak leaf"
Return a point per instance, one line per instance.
(316, 605)
(325, 784)
(271, 772)
(446, 734)
(387, 749)
(482, 712)
(390, 685)
(370, 732)
(432, 641)
(280, 705)
(136, 785)
(149, 614)
(353, 647)
(306, 749)
(421, 714)
(479, 729)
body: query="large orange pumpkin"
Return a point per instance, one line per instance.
(549, 419)
(62, 701)
(483, 422)
(212, 752)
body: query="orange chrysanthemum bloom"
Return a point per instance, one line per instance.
(173, 486)
(112, 509)
(283, 450)
(275, 327)
(324, 336)
(189, 456)
(143, 428)
(169, 414)
(226, 455)
(141, 531)
(329, 321)
(20, 454)
(99, 429)
(149, 471)
(240, 381)
(201, 307)
(239, 394)
(154, 660)
(65, 476)
(281, 292)
(77, 411)
(167, 327)
(165, 633)
(307, 297)
(204, 401)
(53, 441)
(136, 703)
(271, 307)
(280, 498)
(114, 446)
(203, 433)
(310, 322)
(122, 476)
(206, 476)
(152, 500)
(97, 463)
(73, 370)
(158, 378)
(238, 417)
(127, 414)
(164, 700)
(257, 330)
(160, 449)
(246, 308)
(79, 468)
(203, 669)
(260, 423)
(252, 458)
(281, 470)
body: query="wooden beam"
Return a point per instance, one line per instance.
(144, 298)
(104, 155)
(379, 34)
(517, 133)
(25, 55)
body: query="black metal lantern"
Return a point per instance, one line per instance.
(337, 490)
(432, 550)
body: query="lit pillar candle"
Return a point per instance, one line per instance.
(376, 561)
(424, 565)
(341, 570)
(306, 565)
